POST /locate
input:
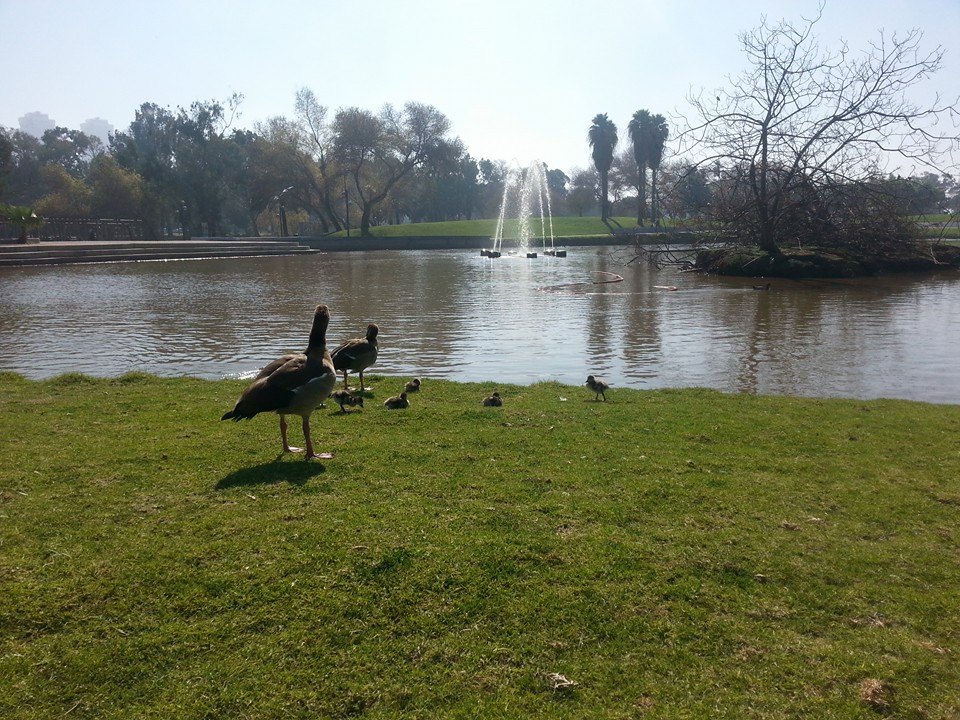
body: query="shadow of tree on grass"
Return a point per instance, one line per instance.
(276, 471)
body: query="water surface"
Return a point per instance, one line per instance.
(456, 315)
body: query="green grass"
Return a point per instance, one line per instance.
(676, 554)
(562, 227)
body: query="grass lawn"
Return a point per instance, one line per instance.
(562, 227)
(666, 554)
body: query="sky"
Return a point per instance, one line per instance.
(520, 80)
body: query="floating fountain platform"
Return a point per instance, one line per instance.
(555, 253)
(531, 255)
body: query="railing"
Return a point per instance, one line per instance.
(65, 229)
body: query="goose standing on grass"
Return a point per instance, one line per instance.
(493, 400)
(398, 402)
(357, 354)
(598, 386)
(294, 384)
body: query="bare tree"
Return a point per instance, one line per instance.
(803, 131)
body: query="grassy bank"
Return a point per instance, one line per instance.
(672, 553)
(562, 226)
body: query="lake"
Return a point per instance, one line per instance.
(453, 314)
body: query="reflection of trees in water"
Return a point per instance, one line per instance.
(622, 321)
(790, 338)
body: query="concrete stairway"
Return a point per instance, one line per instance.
(56, 253)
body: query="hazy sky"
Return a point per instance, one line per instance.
(519, 79)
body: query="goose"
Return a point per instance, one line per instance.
(413, 385)
(598, 386)
(344, 397)
(357, 354)
(762, 287)
(398, 402)
(293, 384)
(493, 400)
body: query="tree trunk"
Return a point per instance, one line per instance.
(642, 196)
(365, 219)
(603, 196)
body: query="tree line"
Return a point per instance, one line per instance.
(189, 170)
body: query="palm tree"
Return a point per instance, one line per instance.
(658, 134)
(603, 139)
(639, 129)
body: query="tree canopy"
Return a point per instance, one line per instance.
(602, 137)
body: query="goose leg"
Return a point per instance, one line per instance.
(362, 388)
(345, 380)
(283, 436)
(306, 435)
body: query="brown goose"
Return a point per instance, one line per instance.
(293, 384)
(398, 402)
(598, 386)
(493, 400)
(345, 397)
(357, 354)
(413, 385)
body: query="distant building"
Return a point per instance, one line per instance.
(36, 123)
(97, 127)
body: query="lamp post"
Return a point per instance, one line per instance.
(183, 219)
(346, 205)
(283, 210)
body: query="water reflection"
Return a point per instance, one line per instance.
(454, 314)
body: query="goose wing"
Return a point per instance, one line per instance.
(353, 353)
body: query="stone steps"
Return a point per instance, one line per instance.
(87, 252)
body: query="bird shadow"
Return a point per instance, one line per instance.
(271, 473)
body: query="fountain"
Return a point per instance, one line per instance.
(522, 188)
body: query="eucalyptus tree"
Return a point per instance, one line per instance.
(146, 148)
(115, 192)
(70, 149)
(602, 137)
(22, 184)
(583, 194)
(6, 158)
(377, 151)
(325, 182)
(800, 134)
(445, 187)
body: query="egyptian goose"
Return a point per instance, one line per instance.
(598, 386)
(357, 354)
(345, 397)
(294, 384)
(397, 403)
(493, 400)
(413, 385)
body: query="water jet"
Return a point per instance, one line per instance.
(527, 194)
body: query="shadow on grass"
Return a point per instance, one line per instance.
(295, 473)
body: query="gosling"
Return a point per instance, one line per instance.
(493, 400)
(413, 385)
(398, 402)
(345, 397)
(598, 386)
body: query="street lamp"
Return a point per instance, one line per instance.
(183, 219)
(346, 204)
(283, 210)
